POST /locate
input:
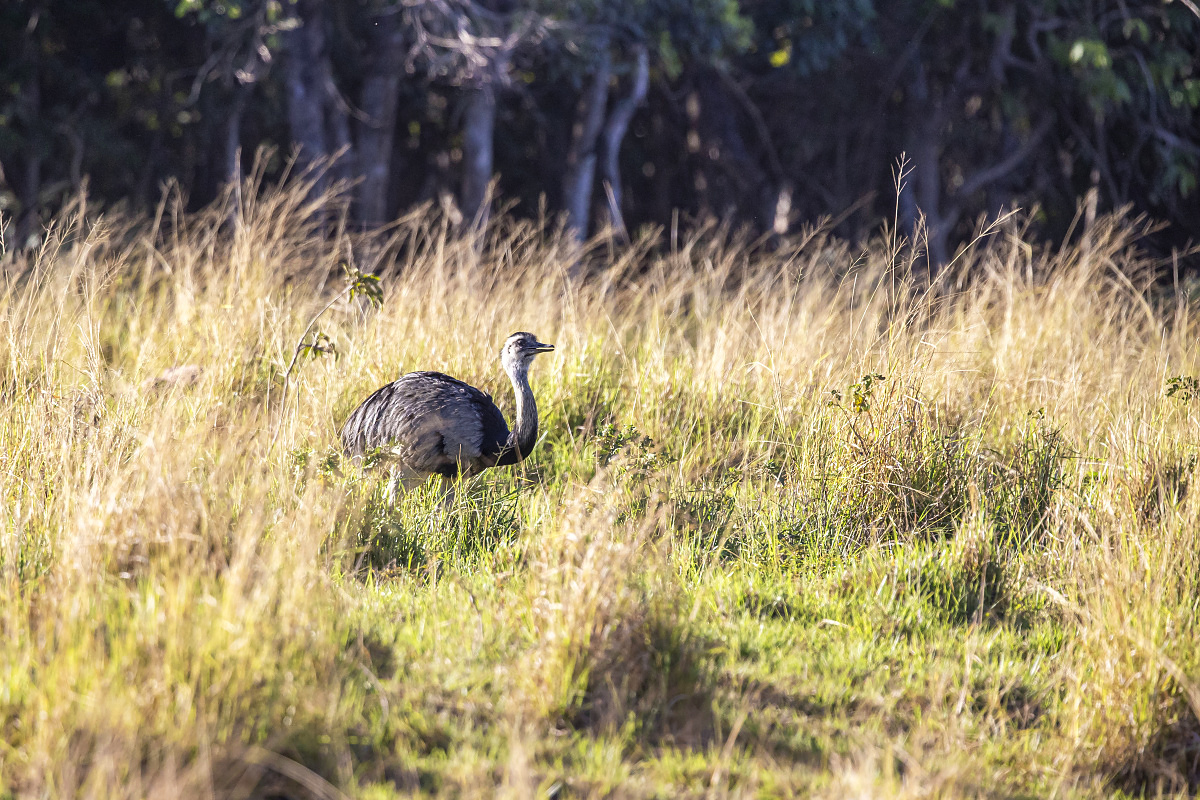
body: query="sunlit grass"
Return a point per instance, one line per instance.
(796, 524)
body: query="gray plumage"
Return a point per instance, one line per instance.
(427, 423)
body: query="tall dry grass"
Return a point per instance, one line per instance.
(735, 565)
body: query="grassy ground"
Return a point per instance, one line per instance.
(793, 527)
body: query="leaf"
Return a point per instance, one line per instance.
(321, 345)
(1184, 388)
(364, 284)
(185, 7)
(669, 56)
(860, 393)
(1137, 26)
(1090, 53)
(1187, 182)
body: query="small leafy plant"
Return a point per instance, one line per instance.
(1184, 388)
(860, 393)
(358, 284)
(307, 460)
(611, 440)
(321, 345)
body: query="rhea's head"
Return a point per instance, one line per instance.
(519, 350)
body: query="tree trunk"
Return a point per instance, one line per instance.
(581, 156)
(231, 164)
(337, 120)
(305, 47)
(231, 149)
(927, 177)
(727, 170)
(29, 221)
(376, 134)
(925, 117)
(30, 109)
(618, 125)
(479, 123)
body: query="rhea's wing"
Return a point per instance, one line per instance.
(429, 421)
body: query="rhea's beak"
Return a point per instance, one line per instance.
(540, 347)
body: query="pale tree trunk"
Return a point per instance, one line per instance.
(231, 156)
(479, 123)
(231, 166)
(376, 134)
(581, 157)
(618, 125)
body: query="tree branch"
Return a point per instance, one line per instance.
(997, 171)
(760, 124)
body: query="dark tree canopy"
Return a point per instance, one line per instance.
(758, 112)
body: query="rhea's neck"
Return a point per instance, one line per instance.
(525, 426)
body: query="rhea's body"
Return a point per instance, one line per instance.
(427, 423)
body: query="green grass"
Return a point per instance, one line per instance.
(795, 526)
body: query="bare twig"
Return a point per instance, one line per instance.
(997, 171)
(294, 771)
(357, 282)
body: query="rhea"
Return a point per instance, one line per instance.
(427, 423)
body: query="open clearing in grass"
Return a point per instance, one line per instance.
(794, 527)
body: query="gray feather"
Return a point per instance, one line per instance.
(430, 423)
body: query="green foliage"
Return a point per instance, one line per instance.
(363, 284)
(630, 443)
(320, 345)
(963, 587)
(807, 36)
(1136, 72)
(1184, 388)
(680, 34)
(861, 391)
(124, 99)
(428, 530)
(305, 460)
(1017, 494)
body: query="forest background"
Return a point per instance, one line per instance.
(762, 112)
